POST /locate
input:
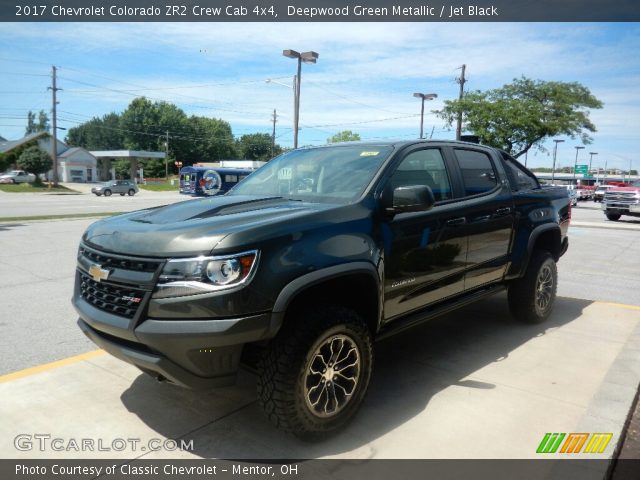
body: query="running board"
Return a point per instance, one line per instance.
(404, 323)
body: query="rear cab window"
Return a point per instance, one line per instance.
(519, 177)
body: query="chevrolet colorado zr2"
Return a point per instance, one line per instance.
(310, 260)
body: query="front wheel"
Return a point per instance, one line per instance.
(531, 297)
(107, 193)
(614, 217)
(314, 375)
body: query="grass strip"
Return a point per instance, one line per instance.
(57, 217)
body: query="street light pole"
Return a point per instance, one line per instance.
(575, 165)
(591, 154)
(306, 57)
(424, 96)
(555, 152)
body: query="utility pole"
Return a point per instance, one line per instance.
(166, 156)
(273, 133)
(461, 80)
(54, 139)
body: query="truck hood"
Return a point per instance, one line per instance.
(196, 227)
(623, 189)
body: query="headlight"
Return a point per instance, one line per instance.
(191, 276)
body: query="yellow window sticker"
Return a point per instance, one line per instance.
(368, 154)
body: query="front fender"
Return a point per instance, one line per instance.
(300, 284)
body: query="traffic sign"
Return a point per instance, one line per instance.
(584, 169)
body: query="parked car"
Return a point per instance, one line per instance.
(585, 192)
(598, 196)
(207, 181)
(123, 187)
(17, 176)
(311, 259)
(620, 201)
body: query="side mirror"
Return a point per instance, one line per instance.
(412, 198)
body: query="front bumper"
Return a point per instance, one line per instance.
(198, 354)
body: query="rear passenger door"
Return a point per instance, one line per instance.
(487, 207)
(425, 252)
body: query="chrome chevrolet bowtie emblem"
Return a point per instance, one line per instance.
(98, 273)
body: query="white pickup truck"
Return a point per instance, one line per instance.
(17, 176)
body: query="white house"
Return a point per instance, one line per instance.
(75, 164)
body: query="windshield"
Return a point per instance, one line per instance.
(330, 174)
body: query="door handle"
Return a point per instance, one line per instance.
(456, 221)
(503, 211)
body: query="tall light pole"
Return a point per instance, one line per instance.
(555, 152)
(591, 154)
(575, 165)
(306, 57)
(424, 96)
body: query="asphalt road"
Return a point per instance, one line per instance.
(37, 264)
(33, 204)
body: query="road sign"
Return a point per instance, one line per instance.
(584, 169)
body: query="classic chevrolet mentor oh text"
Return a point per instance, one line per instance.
(313, 257)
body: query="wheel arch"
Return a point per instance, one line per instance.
(354, 285)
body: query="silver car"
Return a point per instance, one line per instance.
(122, 187)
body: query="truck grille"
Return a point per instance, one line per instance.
(625, 198)
(116, 262)
(116, 299)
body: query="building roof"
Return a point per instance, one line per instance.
(8, 145)
(126, 154)
(71, 152)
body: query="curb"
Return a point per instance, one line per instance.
(608, 225)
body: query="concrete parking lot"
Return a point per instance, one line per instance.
(474, 384)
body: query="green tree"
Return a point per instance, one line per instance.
(98, 134)
(41, 125)
(154, 167)
(522, 114)
(210, 139)
(123, 168)
(344, 136)
(35, 160)
(257, 146)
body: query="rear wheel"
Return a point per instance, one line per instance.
(315, 373)
(131, 192)
(531, 297)
(614, 217)
(107, 193)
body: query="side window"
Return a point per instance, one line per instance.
(424, 167)
(231, 178)
(478, 175)
(519, 178)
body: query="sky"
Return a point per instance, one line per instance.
(364, 79)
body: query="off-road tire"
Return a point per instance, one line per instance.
(131, 192)
(286, 371)
(107, 193)
(614, 217)
(531, 297)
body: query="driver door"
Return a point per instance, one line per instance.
(425, 252)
